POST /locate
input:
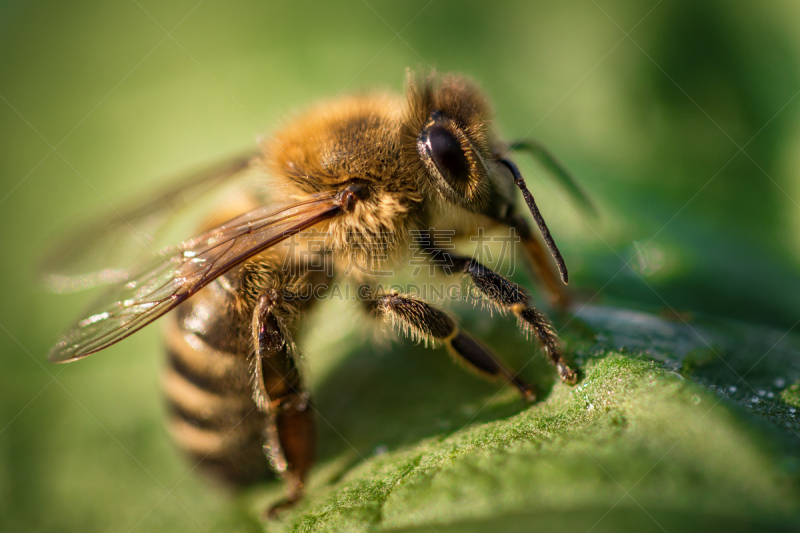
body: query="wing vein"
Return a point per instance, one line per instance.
(180, 271)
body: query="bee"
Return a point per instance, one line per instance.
(366, 172)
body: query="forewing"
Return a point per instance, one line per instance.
(179, 272)
(100, 251)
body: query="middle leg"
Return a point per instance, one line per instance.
(421, 321)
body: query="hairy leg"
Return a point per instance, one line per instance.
(422, 321)
(278, 391)
(505, 296)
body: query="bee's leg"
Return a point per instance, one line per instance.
(421, 321)
(278, 391)
(505, 296)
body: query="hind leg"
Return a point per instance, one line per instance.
(278, 391)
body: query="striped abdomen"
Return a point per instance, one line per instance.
(212, 413)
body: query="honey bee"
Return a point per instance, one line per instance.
(374, 167)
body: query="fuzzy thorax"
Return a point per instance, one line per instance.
(374, 234)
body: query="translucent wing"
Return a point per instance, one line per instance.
(101, 251)
(177, 273)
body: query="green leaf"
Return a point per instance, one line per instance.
(660, 433)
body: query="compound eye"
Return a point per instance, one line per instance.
(448, 156)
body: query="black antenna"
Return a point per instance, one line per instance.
(537, 216)
(559, 172)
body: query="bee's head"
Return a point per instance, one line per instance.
(445, 136)
(446, 140)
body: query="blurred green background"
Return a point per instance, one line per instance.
(679, 117)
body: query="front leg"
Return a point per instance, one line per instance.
(421, 321)
(505, 296)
